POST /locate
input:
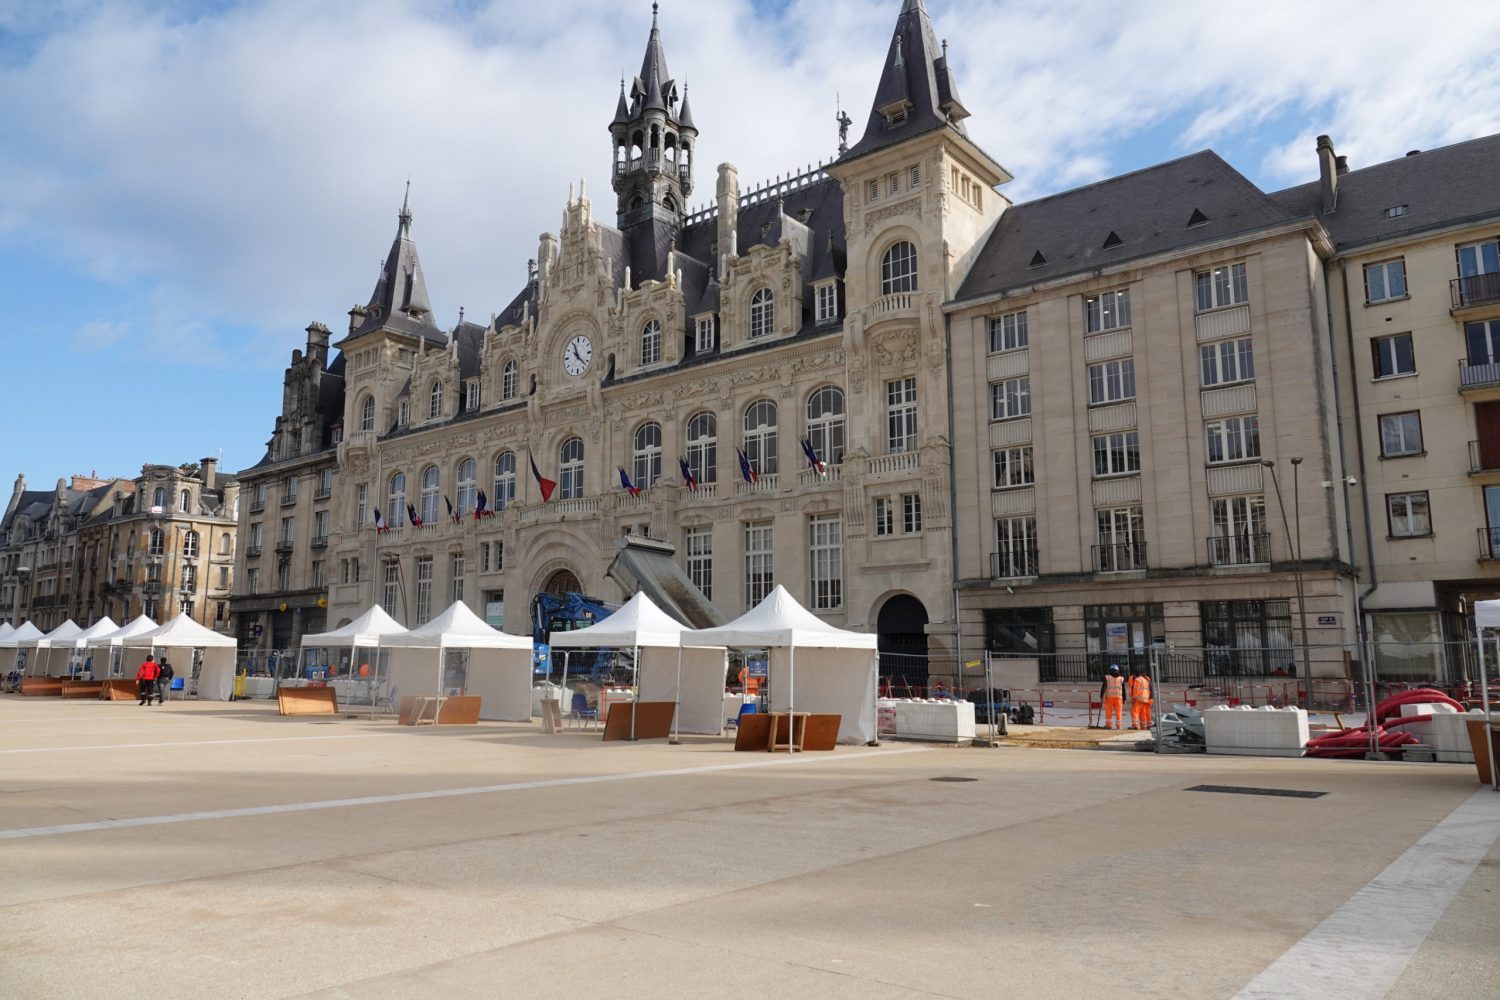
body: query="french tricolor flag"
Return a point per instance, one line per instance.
(545, 485)
(380, 526)
(812, 458)
(688, 479)
(746, 469)
(626, 484)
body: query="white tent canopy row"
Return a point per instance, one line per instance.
(692, 678)
(838, 672)
(179, 639)
(365, 632)
(10, 646)
(499, 664)
(39, 649)
(114, 645)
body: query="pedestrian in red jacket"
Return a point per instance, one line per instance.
(145, 680)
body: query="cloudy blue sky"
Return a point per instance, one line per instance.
(186, 184)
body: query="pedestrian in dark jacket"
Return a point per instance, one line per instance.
(164, 680)
(145, 680)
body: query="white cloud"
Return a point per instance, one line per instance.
(97, 335)
(244, 164)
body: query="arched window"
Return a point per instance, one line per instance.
(190, 545)
(647, 455)
(159, 500)
(158, 543)
(184, 501)
(510, 381)
(762, 313)
(825, 423)
(468, 487)
(226, 544)
(505, 480)
(703, 446)
(435, 401)
(396, 515)
(898, 270)
(760, 437)
(651, 343)
(571, 469)
(431, 481)
(367, 414)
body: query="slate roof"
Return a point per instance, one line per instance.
(1439, 187)
(917, 77)
(399, 302)
(1148, 210)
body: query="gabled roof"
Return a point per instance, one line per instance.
(1438, 187)
(1149, 211)
(916, 86)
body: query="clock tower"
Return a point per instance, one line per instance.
(653, 136)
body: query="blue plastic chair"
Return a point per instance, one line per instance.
(748, 708)
(580, 711)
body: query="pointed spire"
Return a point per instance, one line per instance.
(916, 92)
(655, 80)
(685, 116)
(404, 219)
(399, 301)
(622, 110)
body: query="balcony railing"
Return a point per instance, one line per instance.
(764, 483)
(322, 494)
(284, 547)
(251, 551)
(895, 302)
(1484, 456)
(289, 500)
(1015, 563)
(1478, 372)
(256, 506)
(1239, 550)
(1122, 557)
(810, 477)
(1489, 543)
(321, 542)
(1476, 290)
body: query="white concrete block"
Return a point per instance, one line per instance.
(1260, 732)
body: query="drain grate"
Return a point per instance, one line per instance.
(951, 777)
(1286, 793)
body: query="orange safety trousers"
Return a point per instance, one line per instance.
(1140, 714)
(1114, 706)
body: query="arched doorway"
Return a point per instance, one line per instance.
(562, 582)
(903, 643)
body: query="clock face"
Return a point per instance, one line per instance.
(577, 354)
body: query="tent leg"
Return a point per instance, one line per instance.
(677, 697)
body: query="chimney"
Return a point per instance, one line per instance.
(1328, 174)
(1342, 163)
(729, 212)
(208, 470)
(317, 344)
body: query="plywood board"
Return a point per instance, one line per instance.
(43, 686)
(753, 733)
(82, 689)
(821, 732)
(653, 720)
(307, 701)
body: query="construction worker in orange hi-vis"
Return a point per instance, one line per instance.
(1140, 699)
(1113, 693)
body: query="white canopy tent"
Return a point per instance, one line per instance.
(365, 632)
(692, 678)
(10, 646)
(40, 662)
(6, 628)
(81, 642)
(499, 669)
(114, 642)
(180, 638)
(838, 669)
(1487, 616)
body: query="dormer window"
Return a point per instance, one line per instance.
(471, 395)
(897, 117)
(435, 401)
(403, 413)
(827, 302)
(651, 343)
(703, 343)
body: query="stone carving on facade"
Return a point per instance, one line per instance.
(895, 349)
(911, 206)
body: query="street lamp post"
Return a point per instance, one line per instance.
(1296, 541)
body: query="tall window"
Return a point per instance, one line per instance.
(317, 570)
(1246, 638)
(762, 313)
(184, 501)
(1108, 311)
(320, 527)
(1117, 454)
(1479, 258)
(759, 578)
(760, 436)
(1227, 361)
(431, 486)
(885, 518)
(1482, 341)
(252, 581)
(505, 479)
(1236, 439)
(1008, 332)
(158, 543)
(1409, 514)
(471, 395)
(159, 500)
(1112, 381)
(435, 400)
(1394, 355)
(361, 504)
(703, 446)
(1385, 281)
(288, 530)
(898, 269)
(367, 414)
(458, 572)
(396, 512)
(1222, 286)
(1015, 547)
(392, 588)
(900, 415)
(651, 343)
(704, 342)
(825, 561)
(698, 544)
(190, 544)
(1239, 537)
(510, 380)
(1122, 540)
(825, 423)
(911, 513)
(647, 457)
(289, 490)
(570, 486)
(226, 544)
(1009, 399)
(1014, 467)
(827, 302)
(403, 413)
(424, 589)
(468, 487)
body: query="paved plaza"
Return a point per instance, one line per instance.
(202, 850)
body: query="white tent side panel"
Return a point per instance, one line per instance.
(701, 709)
(215, 673)
(502, 680)
(414, 671)
(829, 682)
